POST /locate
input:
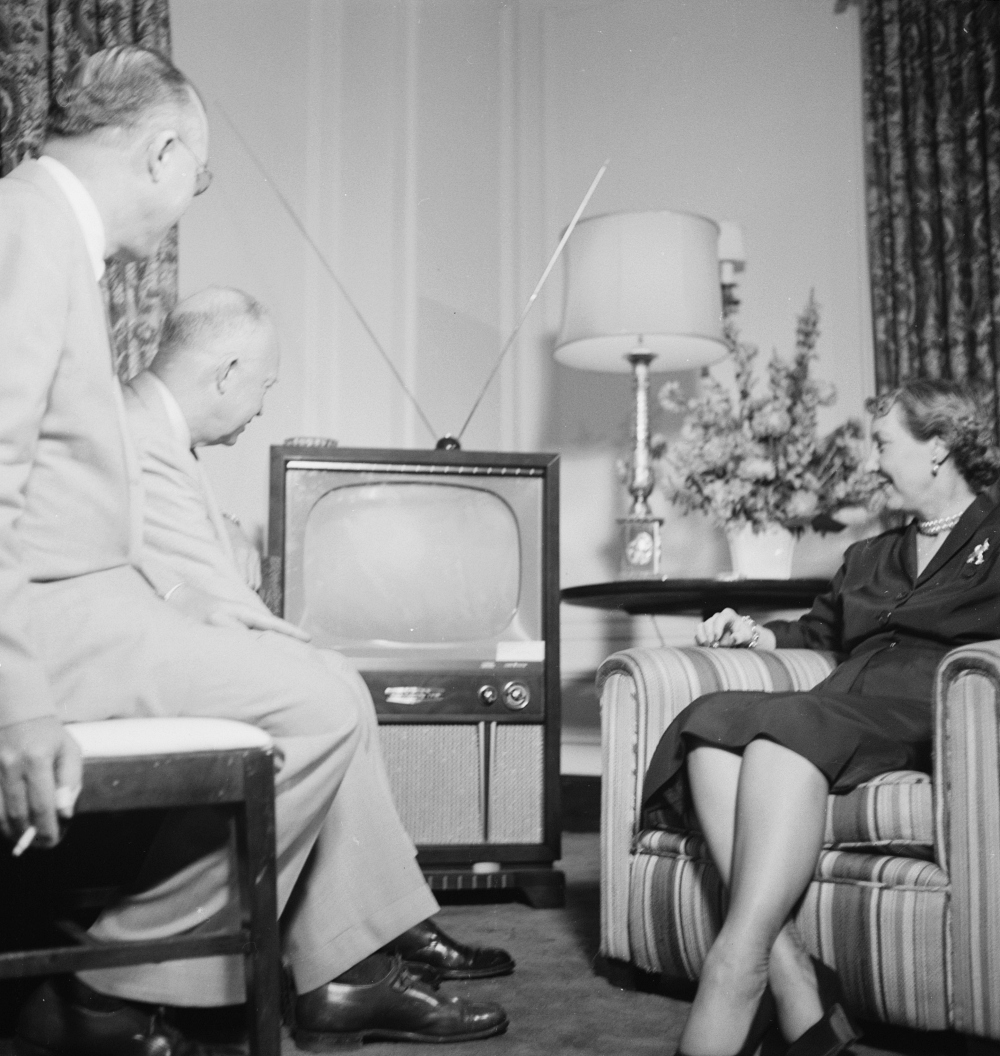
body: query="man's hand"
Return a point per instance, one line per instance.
(233, 614)
(41, 770)
(206, 608)
(246, 555)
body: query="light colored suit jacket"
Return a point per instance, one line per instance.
(183, 528)
(69, 484)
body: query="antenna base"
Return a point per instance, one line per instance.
(448, 443)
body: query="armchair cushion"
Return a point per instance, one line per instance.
(890, 814)
(873, 870)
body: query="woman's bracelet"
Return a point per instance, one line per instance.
(754, 632)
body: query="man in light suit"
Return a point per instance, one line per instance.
(87, 632)
(218, 356)
(217, 359)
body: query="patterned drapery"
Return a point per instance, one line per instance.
(41, 42)
(932, 133)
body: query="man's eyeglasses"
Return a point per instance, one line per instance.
(203, 177)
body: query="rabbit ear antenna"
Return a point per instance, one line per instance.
(326, 266)
(535, 292)
(448, 441)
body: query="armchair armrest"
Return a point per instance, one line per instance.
(967, 824)
(641, 690)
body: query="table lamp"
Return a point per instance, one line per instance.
(642, 293)
(732, 260)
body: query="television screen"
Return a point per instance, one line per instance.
(402, 564)
(379, 560)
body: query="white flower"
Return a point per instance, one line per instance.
(802, 505)
(774, 422)
(757, 469)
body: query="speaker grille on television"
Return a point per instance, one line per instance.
(515, 795)
(434, 773)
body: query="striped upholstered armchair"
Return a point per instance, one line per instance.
(905, 903)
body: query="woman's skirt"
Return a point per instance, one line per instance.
(873, 714)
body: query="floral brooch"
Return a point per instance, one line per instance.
(978, 552)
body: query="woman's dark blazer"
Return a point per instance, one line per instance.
(890, 628)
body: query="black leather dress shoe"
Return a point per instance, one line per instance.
(427, 944)
(58, 1021)
(397, 1008)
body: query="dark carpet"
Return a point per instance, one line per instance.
(558, 1001)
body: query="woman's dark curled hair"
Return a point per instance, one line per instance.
(963, 419)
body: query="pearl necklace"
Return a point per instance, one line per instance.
(936, 527)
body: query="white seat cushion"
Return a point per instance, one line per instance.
(121, 738)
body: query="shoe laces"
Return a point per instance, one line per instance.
(404, 976)
(424, 973)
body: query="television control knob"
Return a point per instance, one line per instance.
(516, 695)
(488, 695)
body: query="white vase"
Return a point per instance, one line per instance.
(763, 554)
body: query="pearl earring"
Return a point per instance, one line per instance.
(934, 467)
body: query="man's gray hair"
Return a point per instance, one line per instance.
(119, 88)
(198, 320)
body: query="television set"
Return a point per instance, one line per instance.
(436, 573)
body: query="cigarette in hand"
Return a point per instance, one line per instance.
(65, 798)
(26, 840)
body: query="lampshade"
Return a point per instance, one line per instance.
(647, 279)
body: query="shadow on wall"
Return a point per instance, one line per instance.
(458, 353)
(589, 408)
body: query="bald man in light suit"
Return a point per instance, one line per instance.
(218, 358)
(91, 627)
(180, 404)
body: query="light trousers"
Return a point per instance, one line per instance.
(348, 881)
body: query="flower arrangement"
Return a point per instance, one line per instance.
(754, 456)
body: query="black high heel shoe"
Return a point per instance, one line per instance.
(763, 1020)
(835, 1031)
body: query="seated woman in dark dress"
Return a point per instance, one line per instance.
(758, 767)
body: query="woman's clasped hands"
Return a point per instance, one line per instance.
(729, 630)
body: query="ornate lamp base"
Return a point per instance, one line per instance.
(641, 552)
